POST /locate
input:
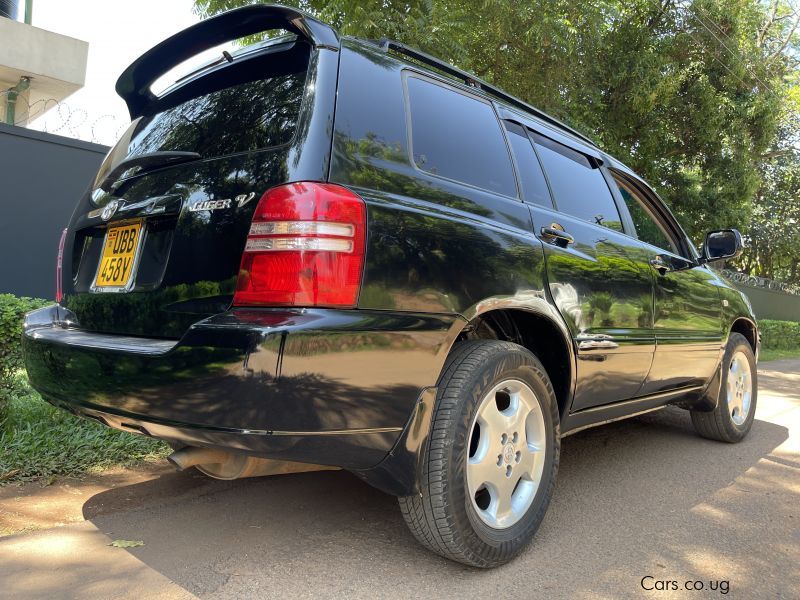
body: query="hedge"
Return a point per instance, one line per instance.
(12, 311)
(779, 335)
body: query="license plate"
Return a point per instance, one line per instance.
(119, 256)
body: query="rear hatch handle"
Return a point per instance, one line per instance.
(135, 82)
(146, 162)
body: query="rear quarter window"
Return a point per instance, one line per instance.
(457, 136)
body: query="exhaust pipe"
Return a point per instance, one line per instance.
(226, 465)
(192, 456)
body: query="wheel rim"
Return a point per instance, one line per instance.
(740, 388)
(505, 458)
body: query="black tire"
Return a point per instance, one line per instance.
(442, 517)
(719, 424)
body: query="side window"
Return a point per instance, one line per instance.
(579, 189)
(457, 136)
(648, 229)
(534, 185)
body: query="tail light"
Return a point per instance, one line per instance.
(305, 248)
(59, 267)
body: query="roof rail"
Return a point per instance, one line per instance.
(473, 81)
(134, 83)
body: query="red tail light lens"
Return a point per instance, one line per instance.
(59, 267)
(305, 248)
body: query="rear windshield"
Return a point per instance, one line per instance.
(249, 116)
(225, 112)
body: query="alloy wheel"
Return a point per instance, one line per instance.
(506, 453)
(740, 388)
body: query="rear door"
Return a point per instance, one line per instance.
(688, 309)
(599, 280)
(157, 246)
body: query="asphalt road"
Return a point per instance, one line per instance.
(640, 499)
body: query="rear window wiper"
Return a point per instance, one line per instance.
(146, 162)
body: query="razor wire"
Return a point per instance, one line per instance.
(60, 118)
(761, 282)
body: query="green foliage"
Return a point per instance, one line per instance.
(768, 354)
(773, 241)
(12, 311)
(39, 440)
(689, 93)
(779, 335)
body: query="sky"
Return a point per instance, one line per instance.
(117, 32)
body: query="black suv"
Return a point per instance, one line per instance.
(326, 252)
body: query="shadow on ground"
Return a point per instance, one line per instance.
(640, 497)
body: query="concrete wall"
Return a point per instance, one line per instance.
(772, 304)
(55, 64)
(42, 176)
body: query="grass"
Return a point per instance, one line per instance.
(38, 440)
(777, 354)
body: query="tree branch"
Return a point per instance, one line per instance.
(787, 39)
(762, 33)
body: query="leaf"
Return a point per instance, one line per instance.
(126, 543)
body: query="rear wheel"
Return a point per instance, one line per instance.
(733, 417)
(490, 464)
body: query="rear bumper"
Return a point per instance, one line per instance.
(334, 387)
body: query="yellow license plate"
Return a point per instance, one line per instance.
(119, 256)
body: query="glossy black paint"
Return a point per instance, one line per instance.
(688, 327)
(622, 326)
(190, 258)
(603, 290)
(284, 383)
(135, 82)
(434, 244)
(660, 339)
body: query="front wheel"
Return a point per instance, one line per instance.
(733, 417)
(491, 460)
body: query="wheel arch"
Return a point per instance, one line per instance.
(540, 331)
(538, 328)
(749, 330)
(707, 400)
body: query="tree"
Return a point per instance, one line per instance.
(774, 236)
(688, 93)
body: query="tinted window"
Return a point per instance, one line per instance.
(362, 87)
(648, 229)
(534, 185)
(579, 189)
(249, 116)
(223, 113)
(458, 137)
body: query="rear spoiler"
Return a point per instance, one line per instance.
(134, 83)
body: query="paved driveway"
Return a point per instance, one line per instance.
(640, 499)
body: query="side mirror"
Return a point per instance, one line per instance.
(722, 244)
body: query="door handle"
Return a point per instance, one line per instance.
(657, 262)
(555, 234)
